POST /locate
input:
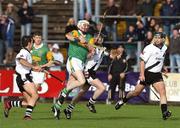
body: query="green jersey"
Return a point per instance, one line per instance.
(76, 50)
(41, 55)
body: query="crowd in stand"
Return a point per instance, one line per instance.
(9, 20)
(141, 27)
(129, 30)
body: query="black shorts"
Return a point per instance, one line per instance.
(20, 80)
(151, 78)
(90, 75)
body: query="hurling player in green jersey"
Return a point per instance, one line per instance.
(80, 45)
(41, 55)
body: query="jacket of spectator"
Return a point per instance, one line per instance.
(26, 15)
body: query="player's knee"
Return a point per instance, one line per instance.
(35, 96)
(82, 82)
(103, 88)
(136, 93)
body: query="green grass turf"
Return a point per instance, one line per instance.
(129, 116)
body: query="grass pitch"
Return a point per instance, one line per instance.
(129, 116)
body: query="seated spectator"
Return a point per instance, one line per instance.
(131, 37)
(167, 37)
(151, 23)
(149, 37)
(58, 58)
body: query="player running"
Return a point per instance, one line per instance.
(77, 54)
(91, 66)
(152, 60)
(24, 80)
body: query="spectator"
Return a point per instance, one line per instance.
(148, 7)
(58, 58)
(103, 31)
(9, 42)
(128, 7)
(92, 25)
(2, 38)
(157, 8)
(149, 37)
(140, 30)
(174, 50)
(131, 34)
(151, 25)
(71, 25)
(82, 8)
(111, 23)
(167, 38)
(168, 9)
(26, 16)
(156, 27)
(11, 12)
(130, 37)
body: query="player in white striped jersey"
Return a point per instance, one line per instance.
(92, 64)
(152, 60)
(24, 80)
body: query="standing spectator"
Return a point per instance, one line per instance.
(140, 30)
(111, 23)
(26, 15)
(168, 9)
(11, 12)
(10, 27)
(82, 8)
(130, 37)
(157, 8)
(92, 25)
(2, 38)
(58, 58)
(148, 7)
(128, 7)
(174, 50)
(12, 21)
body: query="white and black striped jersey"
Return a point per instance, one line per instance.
(94, 62)
(26, 55)
(153, 57)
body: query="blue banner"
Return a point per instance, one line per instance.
(131, 80)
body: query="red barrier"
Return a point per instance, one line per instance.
(50, 88)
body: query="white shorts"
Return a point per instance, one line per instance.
(38, 77)
(74, 64)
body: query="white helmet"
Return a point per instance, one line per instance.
(81, 24)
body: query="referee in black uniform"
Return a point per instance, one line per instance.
(116, 73)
